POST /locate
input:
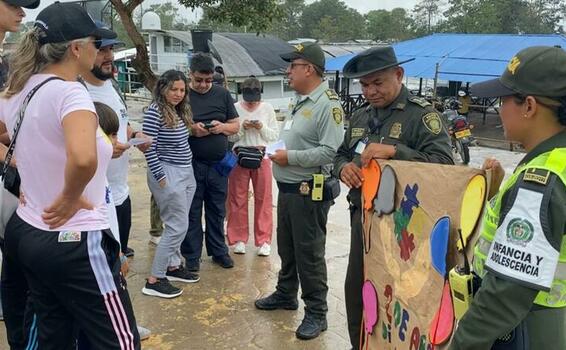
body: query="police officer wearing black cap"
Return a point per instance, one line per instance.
(392, 124)
(312, 134)
(521, 252)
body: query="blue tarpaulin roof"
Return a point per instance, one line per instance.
(461, 57)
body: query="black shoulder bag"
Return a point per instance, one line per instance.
(10, 174)
(249, 157)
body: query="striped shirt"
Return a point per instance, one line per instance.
(170, 145)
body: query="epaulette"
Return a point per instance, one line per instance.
(419, 101)
(332, 95)
(539, 176)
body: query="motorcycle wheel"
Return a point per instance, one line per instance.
(463, 152)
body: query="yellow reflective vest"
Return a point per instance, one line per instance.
(555, 162)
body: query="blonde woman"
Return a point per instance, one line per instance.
(171, 180)
(59, 241)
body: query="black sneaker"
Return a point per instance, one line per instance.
(182, 275)
(162, 288)
(311, 327)
(129, 252)
(277, 301)
(224, 260)
(193, 265)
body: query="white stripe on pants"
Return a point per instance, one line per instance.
(174, 202)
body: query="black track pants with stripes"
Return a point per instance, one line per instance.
(74, 281)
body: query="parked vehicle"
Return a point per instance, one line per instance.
(459, 129)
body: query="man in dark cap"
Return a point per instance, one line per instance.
(392, 124)
(312, 134)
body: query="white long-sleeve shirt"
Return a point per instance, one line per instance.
(254, 137)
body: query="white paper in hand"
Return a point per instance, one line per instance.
(138, 141)
(272, 148)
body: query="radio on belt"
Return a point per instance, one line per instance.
(461, 285)
(317, 187)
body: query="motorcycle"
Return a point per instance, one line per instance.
(459, 129)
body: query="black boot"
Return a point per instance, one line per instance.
(277, 301)
(312, 326)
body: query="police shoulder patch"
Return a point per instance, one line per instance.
(432, 122)
(539, 176)
(337, 115)
(332, 95)
(419, 101)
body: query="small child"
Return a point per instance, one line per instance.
(108, 121)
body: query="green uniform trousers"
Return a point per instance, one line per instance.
(547, 328)
(355, 278)
(301, 244)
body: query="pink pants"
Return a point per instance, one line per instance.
(238, 222)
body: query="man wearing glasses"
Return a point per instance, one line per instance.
(215, 118)
(312, 134)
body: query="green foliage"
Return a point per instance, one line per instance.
(394, 25)
(255, 15)
(289, 27)
(332, 20)
(169, 15)
(504, 16)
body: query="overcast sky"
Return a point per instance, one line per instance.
(363, 6)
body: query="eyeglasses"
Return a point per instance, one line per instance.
(97, 44)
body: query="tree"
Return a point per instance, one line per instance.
(289, 26)
(394, 25)
(425, 13)
(169, 15)
(332, 20)
(254, 14)
(504, 16)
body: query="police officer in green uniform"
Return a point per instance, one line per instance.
(312, 134)
(521, 253)
(392, 124)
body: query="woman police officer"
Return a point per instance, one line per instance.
(521, 254)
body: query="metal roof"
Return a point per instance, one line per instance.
(461, 57)
(244, 54)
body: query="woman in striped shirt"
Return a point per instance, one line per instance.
(170, 179)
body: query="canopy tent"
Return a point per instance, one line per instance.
(460, 57)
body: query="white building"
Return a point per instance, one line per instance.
(239, 54)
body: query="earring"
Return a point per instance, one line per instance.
(525, 115)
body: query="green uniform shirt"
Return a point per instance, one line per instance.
(312, 134)
(502, 303)
(410, 123)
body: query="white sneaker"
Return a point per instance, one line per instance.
(154, 240)
(240, 248)
(144, 332)
(265, 250)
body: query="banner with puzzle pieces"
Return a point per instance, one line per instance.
(412, 213)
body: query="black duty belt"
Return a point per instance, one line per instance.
(296, 188)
